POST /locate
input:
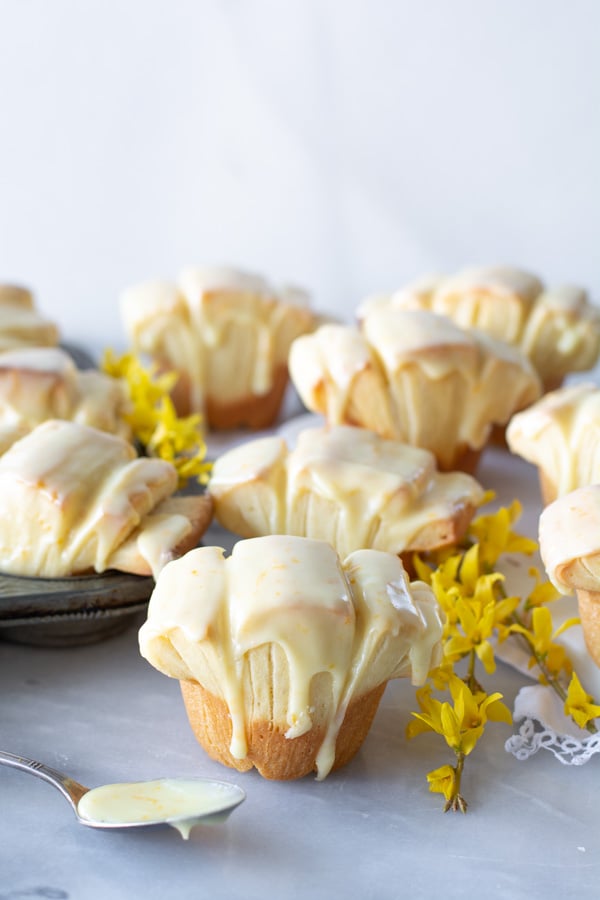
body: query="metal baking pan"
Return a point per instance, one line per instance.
(67, 611)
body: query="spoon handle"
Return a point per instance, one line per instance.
(70, 789)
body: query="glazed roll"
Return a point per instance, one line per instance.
(560, 434)
(344, 485)
(569, 533)
(21, 325)
(40, 383)
(227, 334)
(414, 377)
(78, 500)
(558, 329)
(283, 649)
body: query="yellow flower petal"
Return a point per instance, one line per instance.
(568, 623)
(154, 420)
(443, 781)
(485, 652)
(450, 726)
(579, 704)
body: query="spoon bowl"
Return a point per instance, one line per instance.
(178, 802)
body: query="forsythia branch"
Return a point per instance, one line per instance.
(479, 613)
(154, 421)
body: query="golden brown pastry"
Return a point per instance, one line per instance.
(557, 329)
(415, 377)
(75, 499)
(227, 334)
(344, 485)
(569, 534)
(560, 434)
(20, 323)
(283, 650)
(40, 383)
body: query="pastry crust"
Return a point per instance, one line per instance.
(253, 412)
(588, 603)
(190, 515)
(569, 533)
(269, 751)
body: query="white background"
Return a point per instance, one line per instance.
(346, 146)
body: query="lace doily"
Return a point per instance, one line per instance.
(545, 727)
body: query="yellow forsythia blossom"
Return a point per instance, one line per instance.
(154, 420)
(541, 638)
(461, 722)
(494, 534)
(443, 781)
(477, 614)
(579, 704)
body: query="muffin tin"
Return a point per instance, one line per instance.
(62, 612)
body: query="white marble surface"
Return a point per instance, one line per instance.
(372, 830)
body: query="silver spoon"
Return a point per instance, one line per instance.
(179, 802)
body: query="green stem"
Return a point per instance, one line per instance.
(551, 680)
(457, 802)
(470, 678)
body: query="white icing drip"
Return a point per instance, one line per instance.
(73, 495)
(332, 354)
(569, 532)
(357, 621)
(557, 329)
(41, 383)
(341, 484)
(226, 331)
(423, 368)
(561, 435)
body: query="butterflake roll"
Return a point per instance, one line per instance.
(40, 383)
(569, 533)
(227, 334)
(558, 329)
(415, 377)
(283, 650)
(75, 500)
(346, 486)
(20, 323)
(560, 434)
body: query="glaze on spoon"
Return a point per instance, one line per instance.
(178, 802)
